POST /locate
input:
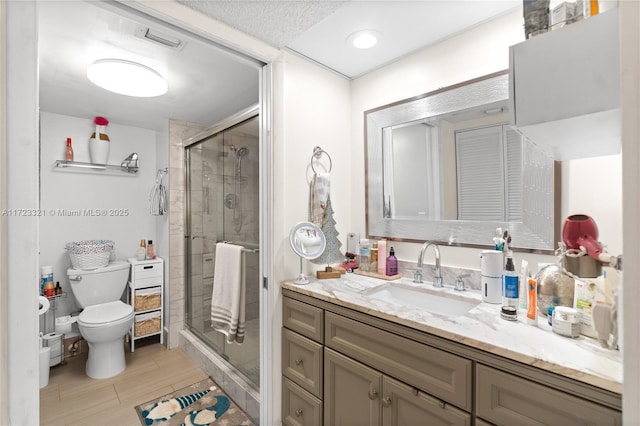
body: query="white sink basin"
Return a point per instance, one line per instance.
(435, 302)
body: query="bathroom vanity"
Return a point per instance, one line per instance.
(349, 357)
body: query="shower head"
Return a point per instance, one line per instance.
(242, 152)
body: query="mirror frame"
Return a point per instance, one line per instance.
(296, 249)
(541, 184)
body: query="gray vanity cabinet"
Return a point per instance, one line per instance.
(356, 394)
(441, 374)
(343, 367)
(505, 399)
(302, 363)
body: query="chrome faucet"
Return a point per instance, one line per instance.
(437, 278)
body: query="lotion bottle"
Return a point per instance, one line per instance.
(150, 252)
(69, 151)
(382, 257)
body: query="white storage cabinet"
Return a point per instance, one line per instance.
(565, 88)
(146, 295)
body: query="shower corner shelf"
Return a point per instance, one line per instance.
(78, 166)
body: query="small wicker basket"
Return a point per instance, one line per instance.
(146, 324)
(147, 300)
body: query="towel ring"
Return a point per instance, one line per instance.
(317, 153)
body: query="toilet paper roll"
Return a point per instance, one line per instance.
(44, 305)
(45, 355)
(63, 324)
(55, 342)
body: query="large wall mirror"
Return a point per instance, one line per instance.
(446, 166)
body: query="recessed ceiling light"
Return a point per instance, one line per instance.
(364, 39)
(127, 78)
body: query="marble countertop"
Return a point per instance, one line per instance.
(582, 358)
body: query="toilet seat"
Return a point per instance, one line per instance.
(105, 314)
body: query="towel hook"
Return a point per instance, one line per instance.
(317, 153)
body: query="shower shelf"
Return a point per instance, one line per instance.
(78, 166)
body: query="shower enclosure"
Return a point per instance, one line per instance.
(222, 199)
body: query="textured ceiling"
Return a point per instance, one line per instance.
(319, 29)
(275, 22)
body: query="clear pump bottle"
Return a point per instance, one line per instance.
(364, 258)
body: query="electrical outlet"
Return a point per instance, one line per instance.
(353, 240)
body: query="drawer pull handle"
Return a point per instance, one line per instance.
(386, 401)
(299, 412)
(373, 394)
(148, 267)
(298, 361)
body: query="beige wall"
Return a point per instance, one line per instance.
(478, 52)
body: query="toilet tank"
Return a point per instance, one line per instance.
(99, 285)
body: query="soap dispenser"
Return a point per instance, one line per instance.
(392, 263)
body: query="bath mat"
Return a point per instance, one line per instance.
(202, 403)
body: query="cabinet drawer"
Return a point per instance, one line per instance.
(299, 407)
(302, 318)
(302, 361)
(146, 273)
(504, 399)
(441, 374)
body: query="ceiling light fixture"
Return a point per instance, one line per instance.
(127, 78)
(364, 39)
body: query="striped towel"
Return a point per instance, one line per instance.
(228, 297)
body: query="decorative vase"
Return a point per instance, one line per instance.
(99, 146)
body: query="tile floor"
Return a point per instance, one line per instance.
(73, 398)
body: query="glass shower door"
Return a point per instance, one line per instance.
(222, 205)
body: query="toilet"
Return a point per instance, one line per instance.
(105, 319)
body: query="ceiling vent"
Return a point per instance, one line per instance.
(159, 38)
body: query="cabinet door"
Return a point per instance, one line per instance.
(403, 405)
(351, 392)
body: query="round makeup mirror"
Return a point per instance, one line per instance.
(307, 241)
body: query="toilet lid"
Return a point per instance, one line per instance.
(105, 312)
